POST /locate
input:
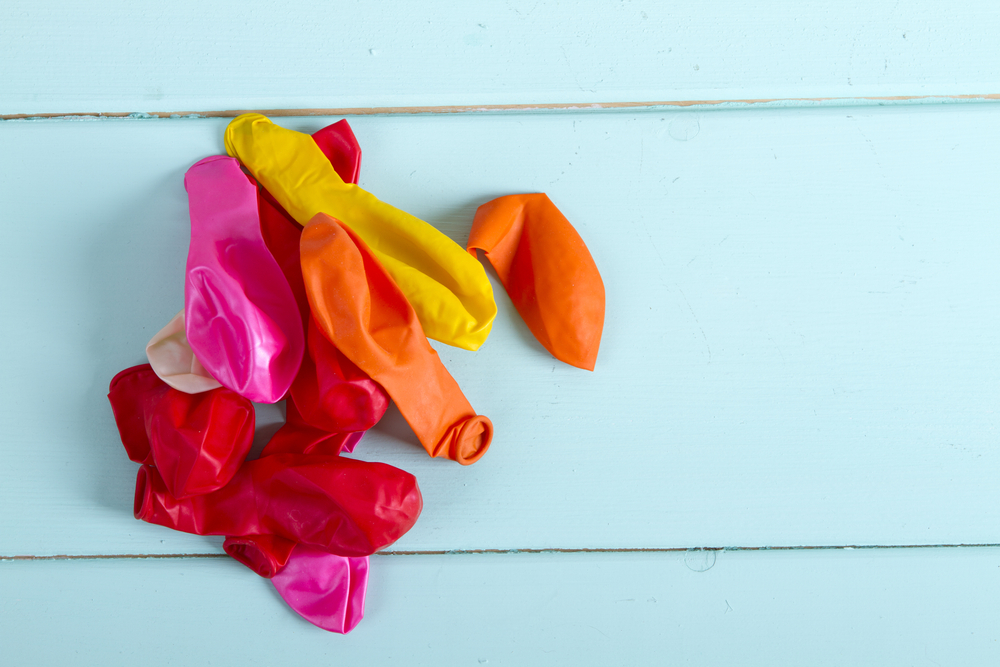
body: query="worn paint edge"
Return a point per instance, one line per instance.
(551, 550)
(766, 103)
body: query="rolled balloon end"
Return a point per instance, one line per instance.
(264, 554)
(143, 503)
(468, 440)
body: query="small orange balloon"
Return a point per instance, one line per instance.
(547, 271)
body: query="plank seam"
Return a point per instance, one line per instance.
(521, 108)
(549, 550)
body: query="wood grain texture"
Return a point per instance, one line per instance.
(127, 57)
(768, 609)
(801, 344)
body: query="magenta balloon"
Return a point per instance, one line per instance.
(241, 318)
(326, 590)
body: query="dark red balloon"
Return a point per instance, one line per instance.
(267, 554)
(130, 390)
(331, 392)
(196, 441)
(341, 148)
(344, 506)
(299, 437)
(264, 554)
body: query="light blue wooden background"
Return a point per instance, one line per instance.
(800, 350)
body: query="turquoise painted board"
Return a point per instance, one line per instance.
(195, 56)
(801, 344)
(879, 609)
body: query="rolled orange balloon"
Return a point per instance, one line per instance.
(364, 313)
(547, 271)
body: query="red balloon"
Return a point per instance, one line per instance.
(299, 437)
(341, 148)
(331, 392)
(266, 555)
(196, 441)
(344, 506)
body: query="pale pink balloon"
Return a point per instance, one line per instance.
(241, 318)
(326, 590)
(173, 361)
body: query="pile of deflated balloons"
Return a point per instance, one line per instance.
(300, 286)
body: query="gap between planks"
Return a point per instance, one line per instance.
(781, 103)
(461, 552)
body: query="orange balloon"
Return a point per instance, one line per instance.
(547, 271)
(366, 316)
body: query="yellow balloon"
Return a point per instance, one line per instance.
(446, 286)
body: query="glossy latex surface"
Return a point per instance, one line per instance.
(174, 362)
(448, 289)
(326, 590)
(297, 436)
(196, 441)
(547, 271)
(362, 311)
(344, 506)
(341, 148)
(264, 554)
(331, 392)
(242, 320)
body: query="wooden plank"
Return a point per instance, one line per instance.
(259, 54)
(881, 608)
(801, 344)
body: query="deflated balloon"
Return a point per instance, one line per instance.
(367, 317)
(344, 506)
(331, 392)
(267, 554)
(297, 436)
(174, 362)
(548, 272)
(241, 318)
(448, 289)
(196, 441)
(326, 590)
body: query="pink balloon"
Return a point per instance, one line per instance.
(241, 318)
(326, 590)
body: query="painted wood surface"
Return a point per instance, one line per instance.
(898, 607)
(801, 344)
(191, 56)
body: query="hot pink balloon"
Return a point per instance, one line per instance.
(241, 318)
(326, 590)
